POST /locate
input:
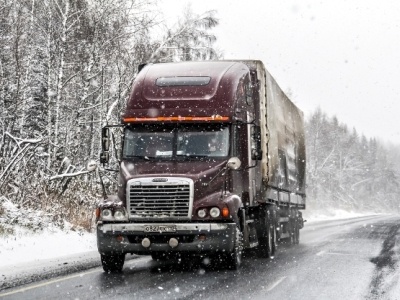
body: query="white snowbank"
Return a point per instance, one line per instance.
(32, 236)
(25, 246)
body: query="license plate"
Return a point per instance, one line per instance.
(160, 228)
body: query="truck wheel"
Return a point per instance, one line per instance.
(271, 241)
(112, 263)
(296, 233)
(267, 243)
(234, 259)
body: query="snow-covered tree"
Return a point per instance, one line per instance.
(347, 171)
(190, 39)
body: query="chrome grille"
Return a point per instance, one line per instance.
(148, 198)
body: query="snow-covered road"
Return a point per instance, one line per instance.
(338, 259)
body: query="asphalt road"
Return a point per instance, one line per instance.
(342, 259)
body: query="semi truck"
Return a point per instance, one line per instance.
(213, 163)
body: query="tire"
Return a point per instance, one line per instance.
(267, 239)
(234, 259)
(295, 229)
(112, 263)
(296, 233)
(272, 228)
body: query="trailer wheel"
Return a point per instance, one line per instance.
(112, 263)
(271, 240)
(296, 233)
(234, 259)
(294, 229)
(267, 240)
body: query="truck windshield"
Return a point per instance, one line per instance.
(180, 141)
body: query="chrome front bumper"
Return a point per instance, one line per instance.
(192, 238)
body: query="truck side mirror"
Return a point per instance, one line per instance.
(256, 151)
(104, 157)
(105, 139)
(105, 145)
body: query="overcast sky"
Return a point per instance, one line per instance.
(342, 56)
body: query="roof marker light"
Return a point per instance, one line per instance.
(178, 118)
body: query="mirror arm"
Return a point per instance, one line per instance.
(212, 179)
(233, 160)
(250, 167)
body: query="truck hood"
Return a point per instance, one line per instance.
(196, 170)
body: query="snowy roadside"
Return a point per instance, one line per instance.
(28, 257)
(24, 246)
(33, 247)
(315, 216)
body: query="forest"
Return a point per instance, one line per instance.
(66, 68)
(346, 170)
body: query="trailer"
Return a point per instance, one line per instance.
(212, 163)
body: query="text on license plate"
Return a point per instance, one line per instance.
(160, 228)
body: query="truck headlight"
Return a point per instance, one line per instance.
(215, 212)
(106, 214)
(119, 215)
(202, 213)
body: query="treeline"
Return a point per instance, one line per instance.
(348, 171)
(66, 68)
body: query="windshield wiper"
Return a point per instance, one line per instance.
(145, 157)
(194, 155)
